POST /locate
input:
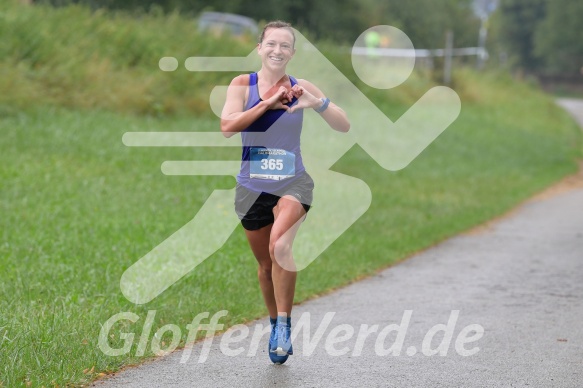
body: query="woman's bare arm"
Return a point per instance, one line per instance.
(311, 98)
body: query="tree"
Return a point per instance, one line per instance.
(559, 39)
(518, 21)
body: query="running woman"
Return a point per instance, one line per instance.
(274, 191)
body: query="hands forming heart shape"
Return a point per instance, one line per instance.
(284, 96)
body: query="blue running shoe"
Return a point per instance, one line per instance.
(273, 335)
(284, 345)
(273, 356)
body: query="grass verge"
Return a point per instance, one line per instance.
(78, 208)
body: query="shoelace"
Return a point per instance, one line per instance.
(273, 333)
(283, 336)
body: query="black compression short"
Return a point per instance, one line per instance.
(260, 206)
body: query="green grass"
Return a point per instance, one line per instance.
(73, 57)
(78, 208)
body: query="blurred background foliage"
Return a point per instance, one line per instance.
(537, 35)
(104, 53)
(541, 36)
(337, 20)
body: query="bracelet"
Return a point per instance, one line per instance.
(326, 102)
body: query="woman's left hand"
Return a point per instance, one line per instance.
(305, 99)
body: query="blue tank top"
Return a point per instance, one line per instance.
(271, 158)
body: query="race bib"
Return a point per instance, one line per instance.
(271, 163)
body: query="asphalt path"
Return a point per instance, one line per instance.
(499, 306)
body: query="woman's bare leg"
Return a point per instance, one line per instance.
(259, 243)
(289, 214)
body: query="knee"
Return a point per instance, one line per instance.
(264, 272)
(280, 249)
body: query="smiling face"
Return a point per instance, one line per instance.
(277, 48)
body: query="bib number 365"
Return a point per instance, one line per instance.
(272, 164)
